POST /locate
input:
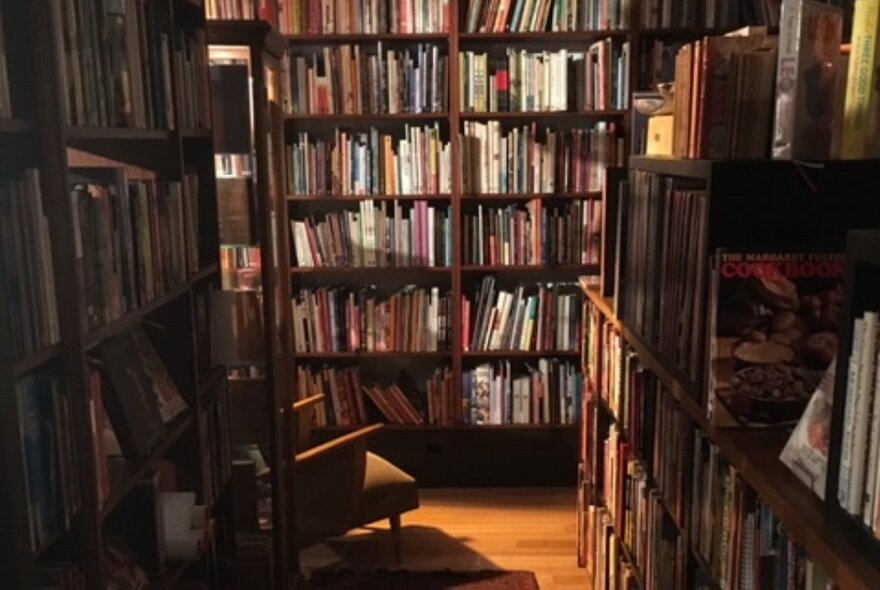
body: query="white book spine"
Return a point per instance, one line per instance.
(863, 404)
(849, 411)
(871, 484)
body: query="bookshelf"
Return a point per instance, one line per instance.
(40, 136)
(262, 47)
(761, 200)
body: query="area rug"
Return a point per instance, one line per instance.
(404, 580)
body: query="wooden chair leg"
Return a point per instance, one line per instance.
(395, 537)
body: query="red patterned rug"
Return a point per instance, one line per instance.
(404, 580)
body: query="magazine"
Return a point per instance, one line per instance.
(806, 452)
(773, 318)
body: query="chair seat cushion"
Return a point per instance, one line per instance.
(388, 490)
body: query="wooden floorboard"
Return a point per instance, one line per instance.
(475, 529)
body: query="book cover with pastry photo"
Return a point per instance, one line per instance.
(773, 319)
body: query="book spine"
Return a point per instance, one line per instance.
(860, 80)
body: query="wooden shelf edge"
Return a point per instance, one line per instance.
(573, 268)
(366, 117)
(559, 36)
(704, 565)
(457, 427)
(98, 335)
(298, 270)
(136, 470)
(530, 196)
(529, 115)
(169, 577)
(519, 353)
(304, 39)
(33, 361)
(368, 355)
(356, 198)
(76, 132)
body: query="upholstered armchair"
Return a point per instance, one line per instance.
(340, 485)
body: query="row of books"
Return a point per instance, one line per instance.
(340, 319)
(607, 566)
(744, 543)
(117, 64)
(28, 284)
(349, 400)
(664, 251)
(733, 118)
(548, 394)
(536, 16)
(524, 160)
(533, 235)
(664, 14)
(191, 80)
(379, 234)
(562, 80)
(48, 455)
(235, 9)
(857, 489)
(59, 575)
(541, 317)
(136, 238)
(5, 99)
(358, 79)
(327, 17)
(370, 163)
(637, 513)
(240, 268)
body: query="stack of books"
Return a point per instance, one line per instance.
(329, 17)
(536, 16)
(191, 80)
(664, 14)
(240, 268)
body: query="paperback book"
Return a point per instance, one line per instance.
(773, 319)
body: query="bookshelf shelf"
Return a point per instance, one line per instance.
(36, 360)
(594, 195)
(456, 427)
(525, 354)
(685, 33)
(755, 456)
(369, 355)
(348, 270)
(133, 472)
(555, 37)
(367, 38)
(698, 169)
(578, 268)
(704, 565)
(13, 126)
(196, 133)
(332, 198)
(106, 331)
(116, 133)
(366, 117)
(50, 542)
(530, 115)
(169, 577)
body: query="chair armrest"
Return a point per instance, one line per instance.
(302, 404)
(341, 441)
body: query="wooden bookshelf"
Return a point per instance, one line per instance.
(41, 134)
(755, 455)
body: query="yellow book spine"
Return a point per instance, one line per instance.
(860, 80)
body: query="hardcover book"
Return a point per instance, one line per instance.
(773, 318)
(806, 78)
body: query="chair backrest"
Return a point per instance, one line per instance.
(328, 480)
(303, 420)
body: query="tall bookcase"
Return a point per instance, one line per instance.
(38, 135)
(761, 196)
(463, 454)
(265, 47)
